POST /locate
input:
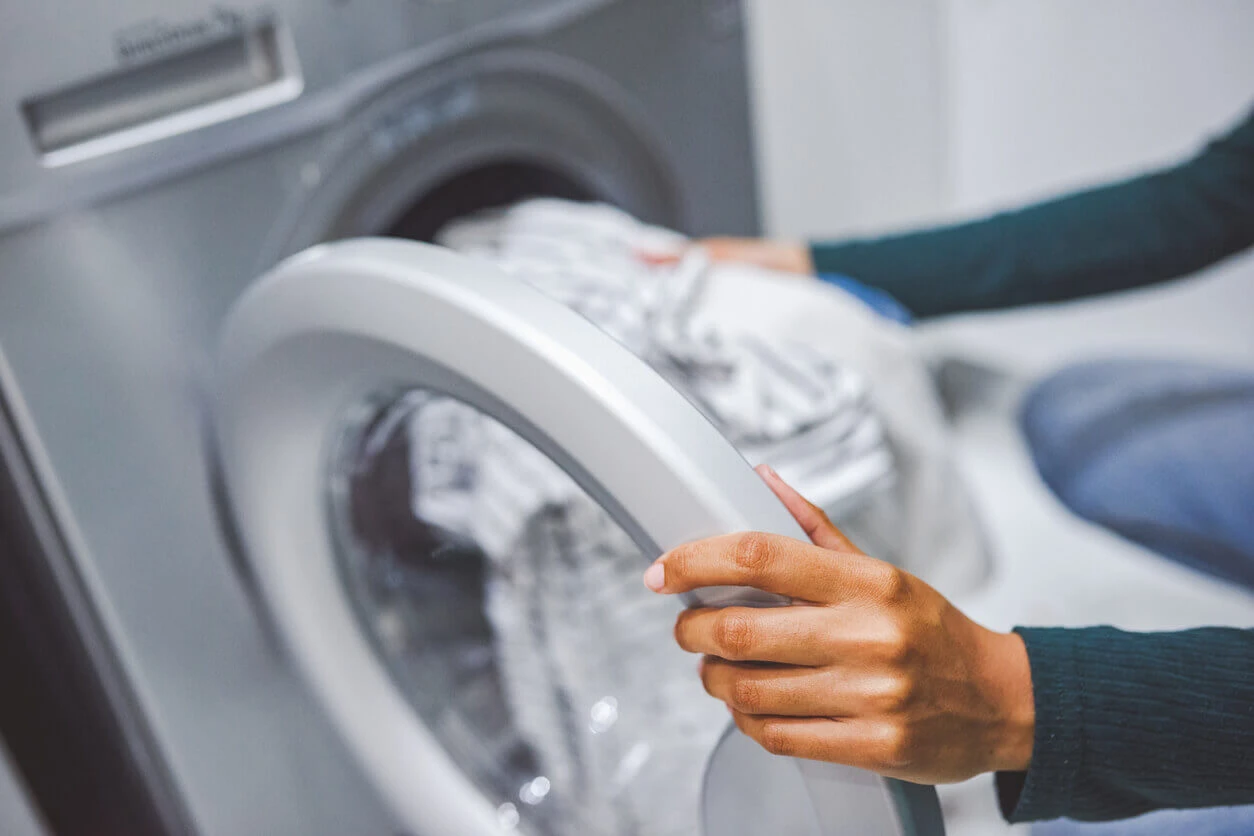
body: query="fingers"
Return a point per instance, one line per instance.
(809, 516)
(784, 635)
(672, 257)
(731, 249)
(780, 256)
(769, 562)
(781, 692)
(845, 636)
(716, 249)
(858, 743)
(659, 259)
(772, 563)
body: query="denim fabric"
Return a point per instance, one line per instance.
(1159, 452)
(1216, 821)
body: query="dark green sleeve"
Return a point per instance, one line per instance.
(1132, 722)
(1149, 229)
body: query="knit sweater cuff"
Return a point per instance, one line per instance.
(1046, 790)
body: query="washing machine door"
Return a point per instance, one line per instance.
(447, 486)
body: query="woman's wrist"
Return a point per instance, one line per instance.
(1008, 676)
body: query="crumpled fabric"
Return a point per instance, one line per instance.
(776, 399)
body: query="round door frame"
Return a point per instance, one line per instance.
(332, 326)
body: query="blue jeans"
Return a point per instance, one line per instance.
(1159, 452)
(1163, 454)
(1217, 821)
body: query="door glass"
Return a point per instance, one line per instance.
(509, 609)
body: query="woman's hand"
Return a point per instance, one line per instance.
(781, 256)
(877, 670)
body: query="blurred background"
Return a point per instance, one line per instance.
(874, 117)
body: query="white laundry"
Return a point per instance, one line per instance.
(775, 398)
(925, 520)
(613, 711)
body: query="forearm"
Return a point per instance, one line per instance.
(1137, 232)
(1127, 723)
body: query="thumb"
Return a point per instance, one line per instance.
(809, 516)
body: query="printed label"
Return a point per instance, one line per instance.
(157, 38)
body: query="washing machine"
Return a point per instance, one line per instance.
(200, 620)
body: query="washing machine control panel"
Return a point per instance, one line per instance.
(138, 87)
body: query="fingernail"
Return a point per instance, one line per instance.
(768, 471)
(655, 577)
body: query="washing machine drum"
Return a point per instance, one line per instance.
(447, 487)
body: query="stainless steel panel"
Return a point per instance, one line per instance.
(115, 274)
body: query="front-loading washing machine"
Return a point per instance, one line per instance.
(179, 527)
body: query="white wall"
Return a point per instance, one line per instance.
(879, 113)
(850, 103)
(1049, 94)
